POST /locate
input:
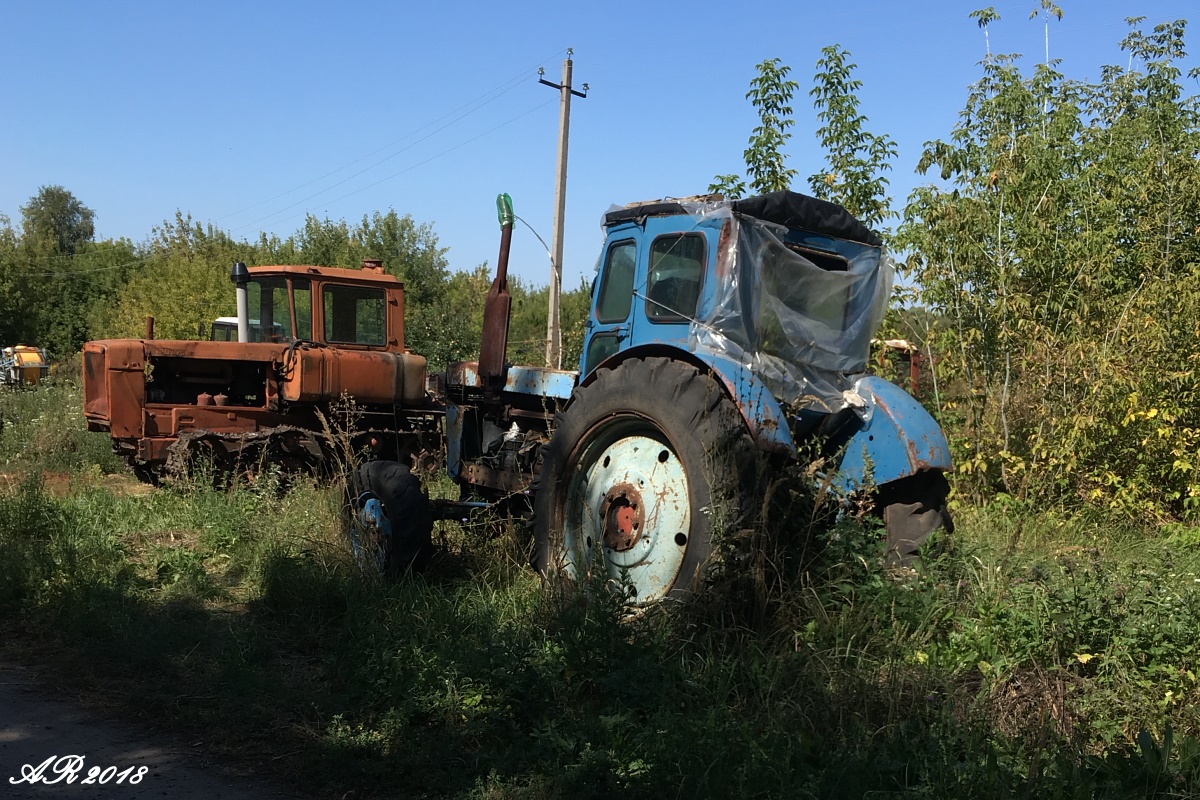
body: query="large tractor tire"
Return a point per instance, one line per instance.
(648, 464)
(389, 519)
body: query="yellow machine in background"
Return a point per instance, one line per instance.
(23, 365)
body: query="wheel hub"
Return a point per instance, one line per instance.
(630, 499)
(624, 515)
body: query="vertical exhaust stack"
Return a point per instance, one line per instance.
(496, 310)
(241, 278)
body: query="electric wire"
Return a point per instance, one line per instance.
(413, 166)
(369, 167)
(473, 105)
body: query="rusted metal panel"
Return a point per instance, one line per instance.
(481, 475)
(95, 394)
(154, 450)
(165, 420)
(464, 374)
(125, 385)
(541, 381)
(221, 351)
(898, 438)
(360, 277)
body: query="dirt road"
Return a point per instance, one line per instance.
(34, 727)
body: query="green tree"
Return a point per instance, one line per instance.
(53, 282)
(10, 284)
(449, 329)
(410, 250)
(56, 223)
(1063, 252)
(855, 159)
(324, 243)
(984, 17)
(771, 95)
(182, 281)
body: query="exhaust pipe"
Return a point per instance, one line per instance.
(497, 308)
(241, 278)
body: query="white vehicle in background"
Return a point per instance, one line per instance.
(224, 329)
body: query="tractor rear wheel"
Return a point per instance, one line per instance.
(648, 464)
(912, 508)
(389, 519)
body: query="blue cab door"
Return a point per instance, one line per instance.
(650, 282)
(609, 325)
(674, 261)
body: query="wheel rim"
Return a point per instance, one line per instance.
(370, 533)
(627, 506)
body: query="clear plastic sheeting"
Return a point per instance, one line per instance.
(796, 308)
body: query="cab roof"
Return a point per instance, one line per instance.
(371, 274)
(790, 209)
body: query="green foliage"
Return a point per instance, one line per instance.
(182, 281)
(44, 429)
(985, 17)
(1063, 257)
(855, 159)
(771, 95)
(1034, 656)
(53, 275)
(56, 223)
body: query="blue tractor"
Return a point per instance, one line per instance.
(725, 340)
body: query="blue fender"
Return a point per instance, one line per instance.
(764, 416)
(454, 435)
(897, 438)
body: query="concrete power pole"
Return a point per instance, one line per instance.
(553, 326)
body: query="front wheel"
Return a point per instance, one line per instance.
(389, 519)
(647, 465)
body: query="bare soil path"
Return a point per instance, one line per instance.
(34, 727)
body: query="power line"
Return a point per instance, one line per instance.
(511, 84)
(413, 166)
(370, 167)
(73, 272)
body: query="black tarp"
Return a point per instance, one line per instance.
(790, 209)
(795, 210)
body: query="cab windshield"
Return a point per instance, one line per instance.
(271, 313)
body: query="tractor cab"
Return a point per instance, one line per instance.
(787, 286)
(340, 307)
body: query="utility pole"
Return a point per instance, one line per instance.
(553, 326)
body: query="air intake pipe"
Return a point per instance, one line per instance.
(241, 279)
(499, 303)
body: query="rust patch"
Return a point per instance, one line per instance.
(624, 516)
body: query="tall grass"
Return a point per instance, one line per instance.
(45, 428)
(1033, 655)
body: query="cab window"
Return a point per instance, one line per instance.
(676, 270)
(270, 317)
(302, 293)
(616, 286)
(355, 315)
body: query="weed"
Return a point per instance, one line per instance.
(1033, 655)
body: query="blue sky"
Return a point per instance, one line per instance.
(249, 115)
